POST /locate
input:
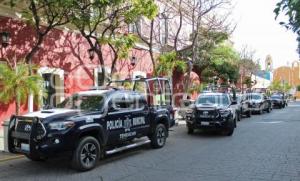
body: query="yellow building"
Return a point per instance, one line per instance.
(289, 74)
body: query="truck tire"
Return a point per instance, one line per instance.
(159, 137)
(229, 130)
(86, 154)
(269, 110)
(249, 114)
(261, 111)
(190, 129)
(240, 113)
(35, 158)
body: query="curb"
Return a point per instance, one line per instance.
(11, 158)
(4, 156)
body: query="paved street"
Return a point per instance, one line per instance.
(263, 147)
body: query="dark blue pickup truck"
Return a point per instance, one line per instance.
(91, 124)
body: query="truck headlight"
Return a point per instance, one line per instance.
(61, 125)
(225, 112)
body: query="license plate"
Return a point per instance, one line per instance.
(25, 147)
(204, 123)
(206, 116)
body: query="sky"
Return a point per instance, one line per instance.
(258, 29)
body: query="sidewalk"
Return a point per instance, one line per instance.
(1, 139)
(4, 156)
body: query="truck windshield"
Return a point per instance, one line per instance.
(276, 97)
(83, 102)
(213, 99)
(256, 97)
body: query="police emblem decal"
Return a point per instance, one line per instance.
(27, 128)
(127, 124)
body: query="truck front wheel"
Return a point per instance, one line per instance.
(190, 129)
(159, 137)
(86, 154)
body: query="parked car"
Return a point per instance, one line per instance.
(259, 103)
(243, 106)
(213, 111)
(93, 123)
(278, 100)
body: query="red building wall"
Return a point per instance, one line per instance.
(65, 50)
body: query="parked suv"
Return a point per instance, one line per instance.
(213, 111)
(278, 100)
(259, 103)
(93, 123)
(243, 106)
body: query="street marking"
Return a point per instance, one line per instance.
(11, 158)
(272, 122)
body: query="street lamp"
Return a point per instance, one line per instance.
(5, 36)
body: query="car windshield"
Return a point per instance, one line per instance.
(83, 102)
(213, 99)
(276, 97)
(256, 97)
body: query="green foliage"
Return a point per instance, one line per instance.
(123, 44)
(247, 81)
(168, 62)
(278, 86)
(49, 13)
(224, 63)
(291, 9)
(146, 8)
(102, 21)
(17, 83)
(105, 16)
(298, 88)
(208, 41)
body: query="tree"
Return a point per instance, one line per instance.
(120, 46)
(204, 15)
(247, 66)
(291, 9)
(206, 49)
(279, 86)
(224, 61)
(100, 22)
(44, 15)
(18, 83)
(168, 62)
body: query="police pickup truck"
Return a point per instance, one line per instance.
(213, 111)
(91, 124)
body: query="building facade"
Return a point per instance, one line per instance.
(64, 62)
(290, 75)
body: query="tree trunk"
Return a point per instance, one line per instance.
(17, 102)
(114, 62)
(101, 61)
(151, 46)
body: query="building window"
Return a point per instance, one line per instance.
(98, 77)
(135, 27)
(164, 29)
